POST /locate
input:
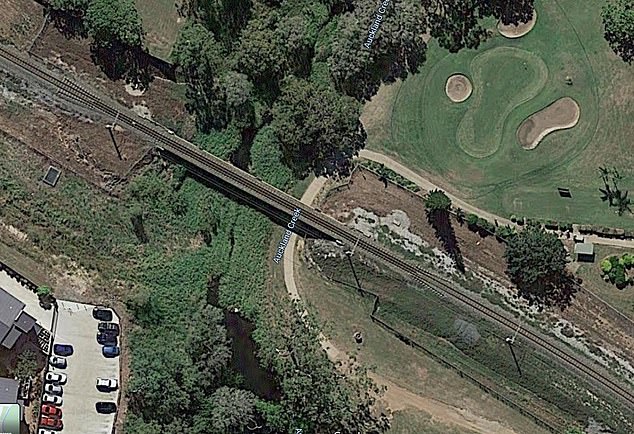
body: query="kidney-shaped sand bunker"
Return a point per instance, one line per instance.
(561, 114)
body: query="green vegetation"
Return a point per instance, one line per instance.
(594, 280)
(114, 22)
(388, 174)
(426, 130)
(618, 20)
(614, 269)
(477, 348)
(611, 191)
(437, 207)
(26, 365)
(536, 264)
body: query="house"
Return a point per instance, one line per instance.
(9, 389)
(584, 252)
(14, 321)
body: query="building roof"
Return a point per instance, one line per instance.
(11, 338)
(584, 249)
(4, 331)
(25, 322)
(9, 390)
(10, 308)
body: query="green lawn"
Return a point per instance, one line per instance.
(622, 299)
(161, 24)
(471, 147)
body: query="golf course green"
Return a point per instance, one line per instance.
(471, 147)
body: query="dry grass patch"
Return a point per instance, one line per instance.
(560, 115)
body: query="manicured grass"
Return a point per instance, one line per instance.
(621, 299)
(161, 24)
(472, 148)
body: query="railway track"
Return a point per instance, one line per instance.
(285, 203)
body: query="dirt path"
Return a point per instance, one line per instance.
(428, 185)
(396, 397)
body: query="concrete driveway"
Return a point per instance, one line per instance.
(29, 298)
(76, 326)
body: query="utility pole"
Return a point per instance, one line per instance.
(110, 129)
(349, 254)
(511, 340)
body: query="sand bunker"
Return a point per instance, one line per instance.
(512, 31)
(561, 114)
(458, 88)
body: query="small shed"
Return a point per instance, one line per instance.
(584, 252)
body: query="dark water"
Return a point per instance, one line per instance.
(244, 361)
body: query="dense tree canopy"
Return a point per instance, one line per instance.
(114, 22)
(536, 264)
(318, 129)
(618, 20)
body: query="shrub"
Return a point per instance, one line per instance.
(620, 279)
(486, 225)
(627, 260)
(606, 266)
(472, 220)
(513, 218)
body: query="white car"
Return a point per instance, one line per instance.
(51, 399)
(107, 384)
(53, 389)
(54, 377)
(58, 362)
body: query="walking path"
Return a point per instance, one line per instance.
(397, 398)
(425, 184)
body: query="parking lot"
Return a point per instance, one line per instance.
(77, 327)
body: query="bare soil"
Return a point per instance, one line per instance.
(19, 21)
(517, 31)
(559, 115)
(458, 88)
(600, 324)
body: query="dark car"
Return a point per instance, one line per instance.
(109, 327)
(107, 339)
(110, 351)
(63, 350)
(106, 407)
(102, 313)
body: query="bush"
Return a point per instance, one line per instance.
(606, 266)
(472, 220)
(486, 225)
(513, 218)
(627, 260)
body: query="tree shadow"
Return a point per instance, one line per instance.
(69, 25)
(121, 62)
(558, 291)
(440, 221)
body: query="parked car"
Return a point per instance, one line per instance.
(109, 327)
(51, 411)
(45, 431)
(107, 339)
(51, 422)
(63, 350)
(106, 407)
(58, 362)
(110, 351)
(52, 399)
(55, 389)
(107, 384)
(102, 313)
(55, 378)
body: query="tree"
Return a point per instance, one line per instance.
(226, 411)
(266, 160)
(536, 264)
(318, 129)
(114, 22)
(618, 22)
(437, 206)
(26, 365)
(46, 297)
(455, 23)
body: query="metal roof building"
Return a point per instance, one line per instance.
(13, 320)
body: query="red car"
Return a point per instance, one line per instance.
(51, 411)
(50, 422)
